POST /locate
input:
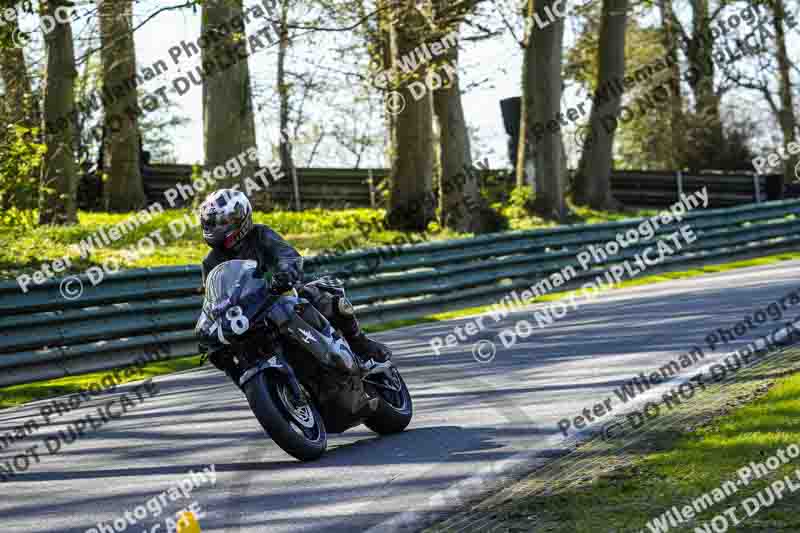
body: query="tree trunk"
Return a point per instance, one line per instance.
(58, 179)
(786, 118)
(670, 43)
(524, 152)
(285, 144)
(411, 198)
(459, 190)
(542, 90)
(123, 189)
(384, 45)
(593, 180)
(700, 52)
(20, 108)
(523, 155)
(228, 122)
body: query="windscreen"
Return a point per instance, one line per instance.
(229, 278)
(236, 295)
(236, 282)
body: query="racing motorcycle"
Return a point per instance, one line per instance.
(300, 376)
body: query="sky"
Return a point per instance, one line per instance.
(489, 69)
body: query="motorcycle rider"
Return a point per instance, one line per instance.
(226, 218)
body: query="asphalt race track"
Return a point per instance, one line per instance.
(470, 417)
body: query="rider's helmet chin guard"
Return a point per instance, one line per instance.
(226, 217)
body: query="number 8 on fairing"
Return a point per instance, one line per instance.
(239, 322)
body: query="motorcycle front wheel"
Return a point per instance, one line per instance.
(295, 426)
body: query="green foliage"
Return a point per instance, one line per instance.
(88, 125)
(318, 221)
(495, 185)
(519, 203)
(580, 63)
(521, 197)
(20, 158)
(727, 149)
(644, 141)
(312, 232)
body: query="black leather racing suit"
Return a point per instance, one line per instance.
(262, 245)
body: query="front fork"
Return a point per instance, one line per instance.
(274, 365)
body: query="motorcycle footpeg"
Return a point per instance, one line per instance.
(373, 368)
(373, 404)
(370, 406)
(365, 366)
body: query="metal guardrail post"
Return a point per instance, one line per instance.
(757, 187)
(371, 183)
(296, 184)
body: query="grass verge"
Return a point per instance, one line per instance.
(180, 241)
(19, 394)
(627, 483)
(313, 231)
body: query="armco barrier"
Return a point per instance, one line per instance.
(43, 335)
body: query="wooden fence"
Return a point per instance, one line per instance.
(340, 187)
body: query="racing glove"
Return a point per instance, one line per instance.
(284, 279)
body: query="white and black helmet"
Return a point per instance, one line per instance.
(226, 218)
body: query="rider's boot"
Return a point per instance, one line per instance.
(362, 345)
(368, 349)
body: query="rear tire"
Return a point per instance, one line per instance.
(395, 409)
(298, 430)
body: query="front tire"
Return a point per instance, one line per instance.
(395, 408)
(297, 428)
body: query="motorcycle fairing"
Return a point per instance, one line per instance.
(236, 299)
(341, 397)
(312, 331)
(342, 400)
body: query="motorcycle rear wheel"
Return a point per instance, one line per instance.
(395, 408)
(297, 428)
